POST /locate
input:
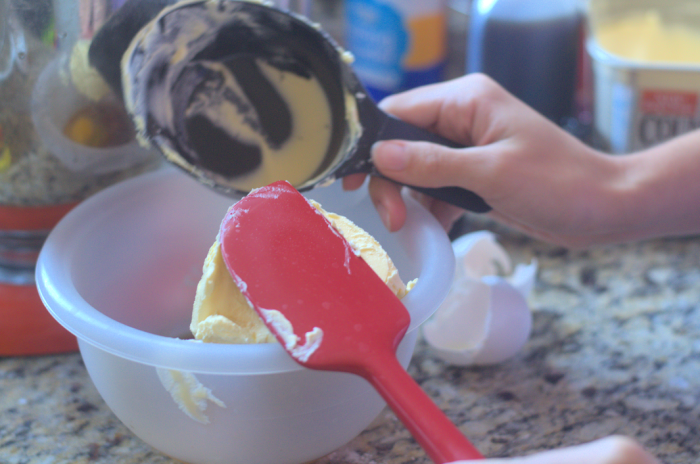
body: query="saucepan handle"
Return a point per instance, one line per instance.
(393, 128)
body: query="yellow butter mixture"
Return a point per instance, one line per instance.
(646, 37)
(221, 313)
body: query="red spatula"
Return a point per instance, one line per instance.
(337, 314)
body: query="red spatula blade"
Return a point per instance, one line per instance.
(288, 258)
(327, 306)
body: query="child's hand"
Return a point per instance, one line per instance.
(534, 175)
(611, 450)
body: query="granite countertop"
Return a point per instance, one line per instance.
(615, 349)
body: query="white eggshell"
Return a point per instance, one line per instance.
(478, 254)
(485, 319)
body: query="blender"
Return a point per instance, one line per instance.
(63, 137)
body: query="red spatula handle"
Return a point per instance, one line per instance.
(438, 436)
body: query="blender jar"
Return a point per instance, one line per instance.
(64, 135)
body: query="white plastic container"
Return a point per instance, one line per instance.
(638, 104)
(120, 273)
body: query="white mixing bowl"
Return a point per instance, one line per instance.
(120, 272)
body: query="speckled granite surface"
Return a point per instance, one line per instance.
(615, 349)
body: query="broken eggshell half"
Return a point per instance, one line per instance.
(485, 318)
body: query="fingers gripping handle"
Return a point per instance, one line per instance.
(393, 128)
(456, 196)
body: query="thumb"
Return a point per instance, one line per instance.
(425, 164)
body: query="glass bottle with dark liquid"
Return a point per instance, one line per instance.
(531, 48)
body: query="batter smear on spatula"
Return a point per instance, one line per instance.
(278, 240)
(222, 315)
(287, 258)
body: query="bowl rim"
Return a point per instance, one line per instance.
(422, 238)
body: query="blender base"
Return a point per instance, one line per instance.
(26, 327)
